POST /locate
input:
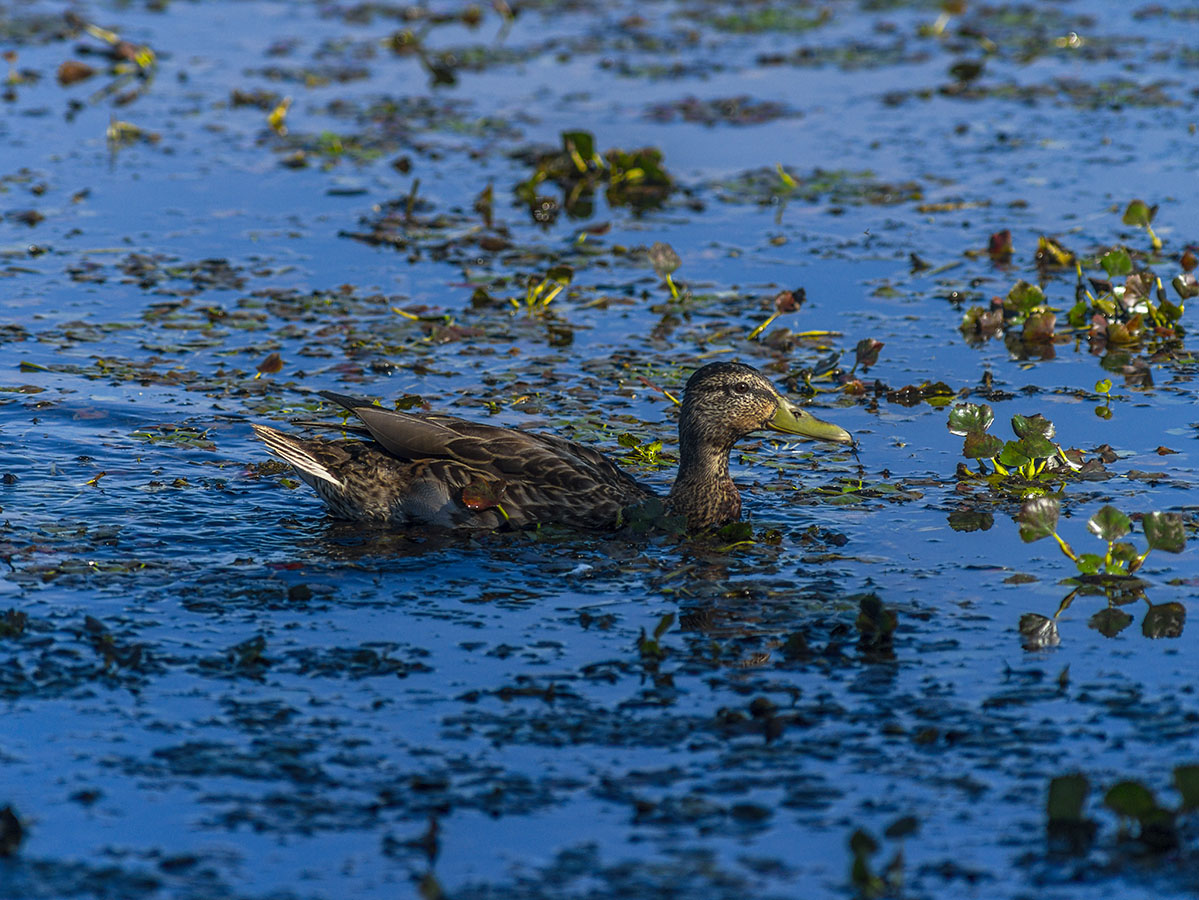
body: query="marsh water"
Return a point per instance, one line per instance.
(211, 689)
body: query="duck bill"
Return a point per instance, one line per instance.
(791, 419)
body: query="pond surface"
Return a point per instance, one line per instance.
(213, 690)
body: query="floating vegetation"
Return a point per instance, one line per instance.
(634, 179)
(1031, 463)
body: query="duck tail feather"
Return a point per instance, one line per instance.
(293, 451)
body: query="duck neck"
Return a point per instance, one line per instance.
(703, 490)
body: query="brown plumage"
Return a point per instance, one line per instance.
(450, 472)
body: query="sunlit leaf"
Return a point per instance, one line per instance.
(1123, 555)
(1116, 262)
(970, 418)
(1013, 454)
(1032, 426)
(1103, 386)
(1024, 297)
(1187, 285)
(1067, 796)
(1051, 254)
(1039, 327)
(866, 352)
(981, 446)
(1089, 563)
(1109, 523)
(1164, 531)
(1139, 213)
(1038, 518)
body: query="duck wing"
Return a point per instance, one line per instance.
(544, 477)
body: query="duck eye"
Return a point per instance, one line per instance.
(741, 387)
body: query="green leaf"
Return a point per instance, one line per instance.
(1013, 455)
(1024, 297)
(1186, 779)
(1067, 795)
(1078, 314)
(1038, 518)
(970, 418)
(1116, 262)
(582, 142)
(1130, 799)
(1089, 563)
(1037, 447)
(1164, 531)
(1139, 213)
(1109, 523)
(981, 446)
(1029, 426)
(1103, 386)
(663, 258)
(1123, 553)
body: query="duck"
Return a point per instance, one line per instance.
(408, 469)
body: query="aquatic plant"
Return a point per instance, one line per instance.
(1153, 827)
(1038, 518)
(1029, 461)
(635, 178)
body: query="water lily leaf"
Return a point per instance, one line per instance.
(1024, 297)
(1032, 426)
(981, 446)
(482, 494)
(1013, 454)
(1116, 262)
(663, 258)
(999, 247)
(1187, 285)
(1130, 799)
(1110, 622)
(1078, 314)
(272, 365)
(970, 418)
(1109, 523)
(1164, 531)
(1038, 518)
(1186, 780)
(790, 301)
(1164, 620)
(1139, 213)
(1089, 563)
(1067, 795)
(1037, 447)
(1039, 327)
(1038, 632)
(866, 352)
